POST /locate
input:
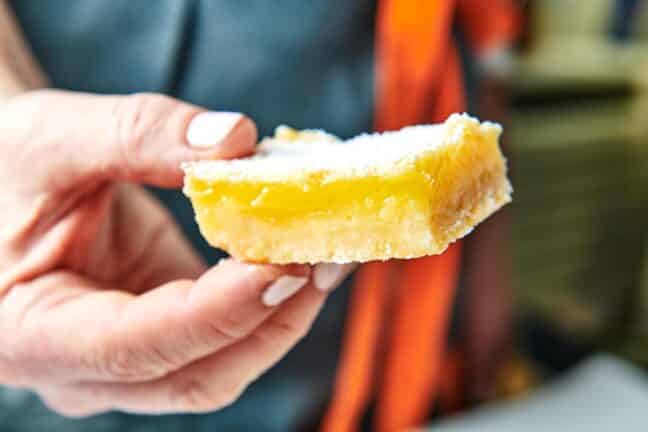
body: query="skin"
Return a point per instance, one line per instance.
(103, 304)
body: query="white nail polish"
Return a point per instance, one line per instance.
(208, 129)
(282, 288)
(326, 276)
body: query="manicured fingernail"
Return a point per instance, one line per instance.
(327, 276)
(282, 288)
(208, 129)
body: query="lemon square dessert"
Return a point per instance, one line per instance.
(308, 197)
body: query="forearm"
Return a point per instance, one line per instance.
(19, 71)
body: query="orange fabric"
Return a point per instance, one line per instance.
(411, 42)
(417, 346)
(450, 97)
(418, 80)
(425, 293)
(352, 387)
(489, 24)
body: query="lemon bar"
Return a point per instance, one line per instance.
(308, 197)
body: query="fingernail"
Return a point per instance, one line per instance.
(282, 288)
(208, 129)
(327, 276)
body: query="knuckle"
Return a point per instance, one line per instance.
(119, 364)
(128, 364)
(277, 330)
(196, 396)
(137, 116)
(226, 328)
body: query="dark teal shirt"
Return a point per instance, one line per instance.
(304, 63)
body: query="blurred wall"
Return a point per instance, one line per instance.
(579, 162)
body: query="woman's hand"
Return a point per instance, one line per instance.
(103, 305)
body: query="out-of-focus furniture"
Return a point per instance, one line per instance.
(578, 142)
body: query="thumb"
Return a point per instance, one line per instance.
(140, 138)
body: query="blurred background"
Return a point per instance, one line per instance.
(577, 143)
(578, 149)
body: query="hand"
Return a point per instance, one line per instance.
(103, 305)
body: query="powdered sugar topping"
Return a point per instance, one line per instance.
(279, 159)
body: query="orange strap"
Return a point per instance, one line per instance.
(417, 346)
(417, 68)
(352, 387)
(411, 44)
